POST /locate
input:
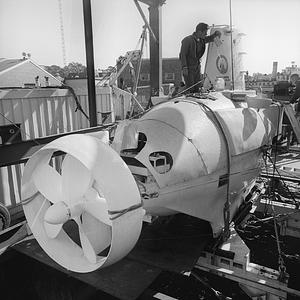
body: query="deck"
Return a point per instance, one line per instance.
(171, 247)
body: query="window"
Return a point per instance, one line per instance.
(225, 261)
(145, 77)
(29, 85)
(237, 265)
(161, 161)
(169, 76)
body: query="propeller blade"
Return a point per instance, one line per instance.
(48, 181)
(98, 233)
(76, 179)
(52, 230)
(87, 247)
(97, 206)
(57, 213)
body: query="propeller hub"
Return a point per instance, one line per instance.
(58, 213)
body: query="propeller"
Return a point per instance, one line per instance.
(85, 192)
(73, 194)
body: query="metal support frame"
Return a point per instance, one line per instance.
(256, 280)
(145, 19)
(155, 13)
(144, 34)
(288, 219)
(154, 26)
(20, 152)
(22, 232)
(129, 56)
(89, 51)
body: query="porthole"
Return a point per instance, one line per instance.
(161, 161)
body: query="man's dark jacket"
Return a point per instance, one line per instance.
(192, 49)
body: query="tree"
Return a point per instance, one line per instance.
(75, 70)
(55, 70)
(72, 70)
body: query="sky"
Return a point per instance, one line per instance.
(33, 26)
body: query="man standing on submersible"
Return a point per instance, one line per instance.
(192, 49)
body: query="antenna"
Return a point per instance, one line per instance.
(62, 33)
(231, 46)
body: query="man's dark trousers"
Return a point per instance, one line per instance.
(192, 78)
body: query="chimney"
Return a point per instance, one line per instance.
(37, 81)
(274, 72)
(46, 81)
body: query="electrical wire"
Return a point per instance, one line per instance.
(118, 213)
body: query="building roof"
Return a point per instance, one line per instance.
(8, 63)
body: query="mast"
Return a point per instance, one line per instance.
(231, 46)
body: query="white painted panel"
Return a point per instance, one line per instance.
(29, 132)
(35, 123)
(6, 112)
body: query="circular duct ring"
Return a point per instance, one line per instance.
(95, 189)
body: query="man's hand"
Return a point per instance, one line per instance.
(217, 33)
(185, 71)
